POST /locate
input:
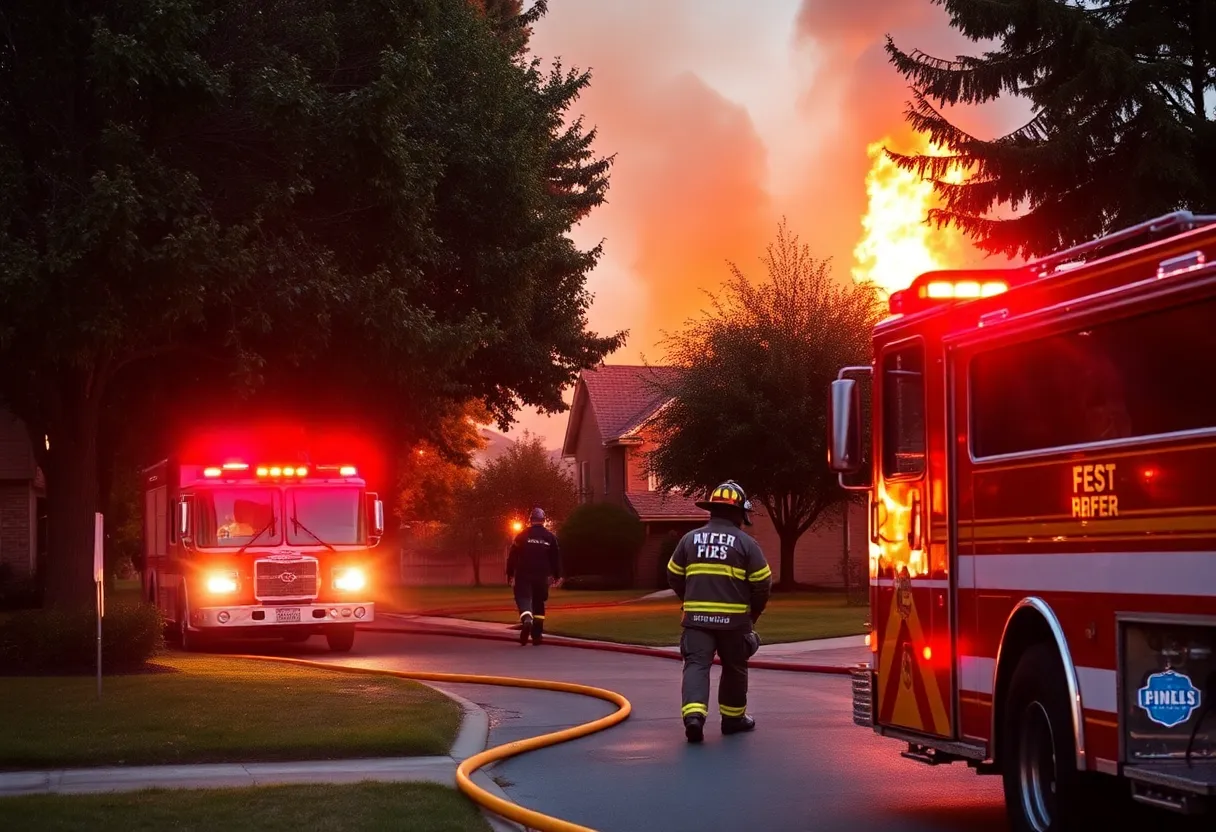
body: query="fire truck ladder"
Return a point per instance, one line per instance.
(1160, 228)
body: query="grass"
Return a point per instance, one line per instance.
(404, 807)
(199, 709)
(789, 617)
(457, 600)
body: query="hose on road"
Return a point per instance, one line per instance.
(464, 771)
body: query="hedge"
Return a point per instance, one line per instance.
(65, 641)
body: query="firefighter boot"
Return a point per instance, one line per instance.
(525, 627)
(737, 724)
(694, 727)
(538, 630)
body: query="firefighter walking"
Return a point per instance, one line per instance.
(721, 576)
(533, 565)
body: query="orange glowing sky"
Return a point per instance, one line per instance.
(726, 116)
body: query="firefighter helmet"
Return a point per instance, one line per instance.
(730, 494)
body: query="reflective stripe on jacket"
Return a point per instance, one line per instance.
(720, 574)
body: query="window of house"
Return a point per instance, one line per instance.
(607, 478)
(903, 411)
(1134, 377)
(652, 482)
(584, 481)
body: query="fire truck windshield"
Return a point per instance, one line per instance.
(323, 515)
(235, 516)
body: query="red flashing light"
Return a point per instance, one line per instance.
(263, 471)
(212, 472)
(236, 466)
(927, 653)
(347, 471)
(301, 472)
(934, 288)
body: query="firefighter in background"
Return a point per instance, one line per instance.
(720, 574)
(533, 565)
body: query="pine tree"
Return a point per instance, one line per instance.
(1119, 132)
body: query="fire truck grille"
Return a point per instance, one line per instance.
(285, 578)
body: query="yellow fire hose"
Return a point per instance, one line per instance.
(515, 812)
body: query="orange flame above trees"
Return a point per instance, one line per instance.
(897, 244)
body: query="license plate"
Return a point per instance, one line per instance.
(287, 615)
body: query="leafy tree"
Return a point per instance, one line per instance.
(1120, 130)
(331, 203)
(496, 506)
(435, 473)
(601, 540)
(750, 400)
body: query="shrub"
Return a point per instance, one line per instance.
(18, 593)
(601, 539)
(666, 549)
(65, 641)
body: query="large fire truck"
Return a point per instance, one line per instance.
(1035, 445)
(255, 547)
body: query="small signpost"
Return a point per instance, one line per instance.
(99, 582)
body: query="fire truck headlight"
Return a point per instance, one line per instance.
(349, 580)
(222, 583)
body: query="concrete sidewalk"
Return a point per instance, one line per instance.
(472, 739)
(845, 651)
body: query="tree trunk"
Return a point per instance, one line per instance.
(789, 540)
(71, 486)
(475, 556)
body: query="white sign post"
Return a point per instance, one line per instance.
(99, 582)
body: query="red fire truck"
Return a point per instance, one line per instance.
(260, 547)
(1035, 444)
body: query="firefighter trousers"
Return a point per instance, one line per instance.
(697, 648)
(530, 596)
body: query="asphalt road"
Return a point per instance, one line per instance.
(806, 767)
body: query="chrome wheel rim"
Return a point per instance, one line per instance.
(1037, 768)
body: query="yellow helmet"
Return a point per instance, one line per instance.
(731, 494)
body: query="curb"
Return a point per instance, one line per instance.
(608, 647)
(474, 738)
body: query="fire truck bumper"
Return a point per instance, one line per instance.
(863, 695)
(284, 615)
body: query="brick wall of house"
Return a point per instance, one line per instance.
(818, 558)
(16, 533)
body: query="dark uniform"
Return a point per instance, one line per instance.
(721, 575)
(534, 561)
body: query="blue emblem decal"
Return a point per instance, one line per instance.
(1169, 698)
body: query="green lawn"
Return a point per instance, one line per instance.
(215, 709)
(789, 617)
(403, 807)
(460, 599)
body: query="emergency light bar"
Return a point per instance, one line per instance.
(935, 288)
(276, 471)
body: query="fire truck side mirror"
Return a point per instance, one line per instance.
(845, 434)
(183, 519)
(375, 512)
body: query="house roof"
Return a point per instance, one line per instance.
(621, 397)
(656, 505)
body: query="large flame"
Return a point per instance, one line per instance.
(897, 244)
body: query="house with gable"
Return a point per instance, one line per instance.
(608, 435)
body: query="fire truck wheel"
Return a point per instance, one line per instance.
(186, 640)
(341, 638)
(1043, 789)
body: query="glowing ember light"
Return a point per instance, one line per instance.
(897, 244)
(517, 526)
